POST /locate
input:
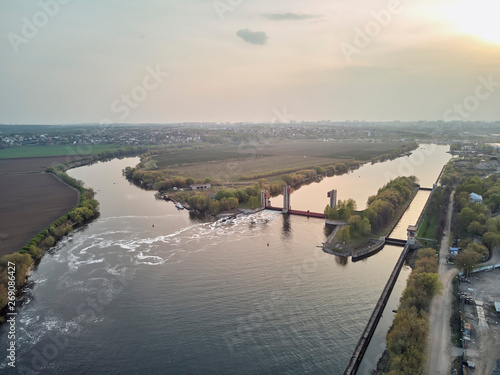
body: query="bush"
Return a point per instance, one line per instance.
(407, 338)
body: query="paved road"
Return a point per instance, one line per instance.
(440, 349)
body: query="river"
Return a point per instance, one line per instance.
(146, 289)
(426, 163)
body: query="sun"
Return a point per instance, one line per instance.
(476, 17)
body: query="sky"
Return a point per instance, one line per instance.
(169, 61)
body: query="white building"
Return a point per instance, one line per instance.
(476, 198)
(200, 186)
(412, 232)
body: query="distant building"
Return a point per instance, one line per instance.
(200, 186)
(333, 198)
(476, 198)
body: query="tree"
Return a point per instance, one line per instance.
(407, 338)
(288, 179)
(341, 168)
(254, 202)
(475, 228)
(179, 182)
(480, 249)
(344, 233)
(426, 265)
(467, 215)
(342, 211)
(365, 226)
(252, 190)
(320, 170)
(330, 170)
(241, 195)
(354, 222)
(223, 193)
(421, 288)
(467, 260)
(491, 225)
(491, 239)
(215, 207)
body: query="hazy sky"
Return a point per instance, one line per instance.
(248, 60)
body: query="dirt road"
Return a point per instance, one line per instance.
(439, 353)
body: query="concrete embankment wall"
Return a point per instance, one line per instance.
(440, 174)
(367, 334)
(402, 213)
(423, 210)
(369, 330)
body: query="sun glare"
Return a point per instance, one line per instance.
(476, 17)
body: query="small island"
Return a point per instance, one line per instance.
(359, 233)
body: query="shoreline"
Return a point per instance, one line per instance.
(88, 160)
(370, 246)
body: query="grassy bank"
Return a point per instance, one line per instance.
(269, 161)
(24, 259)
(407, 338)
(378, 219)
(433, 218)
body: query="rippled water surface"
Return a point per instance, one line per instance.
(146, 289)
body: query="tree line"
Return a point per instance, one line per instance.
(380, 210)
(471, 219)
(395, 153)
(86, 210)
(407, 338)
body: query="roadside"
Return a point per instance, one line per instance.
(482, 333)
(440, 348)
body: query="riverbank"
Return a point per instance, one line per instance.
(25, 259)
(261, 171)
(76, 214)
(182, 266)
(28, 190)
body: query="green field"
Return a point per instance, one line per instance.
(332, 150)
(170, 158)
(36, 151)
(234, 163)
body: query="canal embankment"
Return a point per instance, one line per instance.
(376, 315)
(369, 330)
(368, 247)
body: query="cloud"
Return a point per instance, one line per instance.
(254, 37)
(290, 16)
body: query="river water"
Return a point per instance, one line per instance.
(146, 289)
(426, 163)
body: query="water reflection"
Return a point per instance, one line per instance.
(327, 231)
(286, 231)
(341, 261)
(425, 163)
